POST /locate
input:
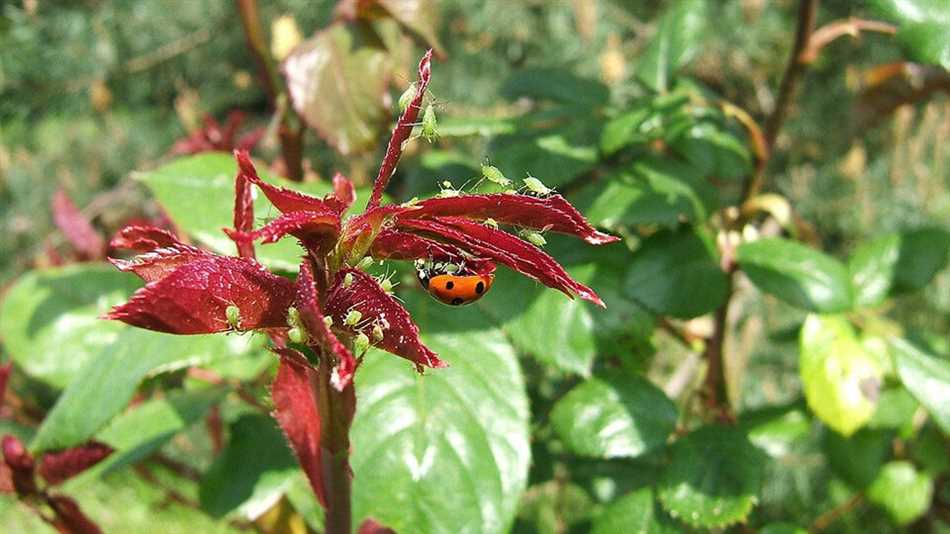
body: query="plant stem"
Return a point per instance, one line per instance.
(794, 69)
(716, 399)
(291, 138)
(336, 414)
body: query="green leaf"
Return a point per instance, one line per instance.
(554, 84)
(923, 28)
(927, 378)
(799, 275)
(614, 416)
(841, 380)
(902, 491)
(929, 450)
(872, 268)
(634, 512)
(448, 451)
(677, 274)
(895, 410)
(469, 126)
(49, 320)
(252, 472)
(103, 387)
(651, 191)
(926, 42)
(713, 479)
(714, 150)
(857, 459)
(337, 81)
(138, 433)
(923, 253)
(677, 39)
(777, 430)
(197, 192)
(638, 126)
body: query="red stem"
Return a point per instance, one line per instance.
(336, 414)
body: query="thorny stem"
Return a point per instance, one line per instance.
(717, 402)
(291, 138)
(335, 416)
(794, 69)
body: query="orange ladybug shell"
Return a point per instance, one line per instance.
(457, 290)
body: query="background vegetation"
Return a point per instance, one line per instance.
(723, 317)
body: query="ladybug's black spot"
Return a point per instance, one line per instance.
(449, 285)
(457, 300)
(480, 288)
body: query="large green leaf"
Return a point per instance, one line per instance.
(50, 324)
(902, 491)
(337, 81)
(103, 387)
(197, 192)
(923, 28)
(651, 191)
(841, 379)
(872, 268)
(858, 458)
(677, 274)
(636, 511)
(448, 451)
(555, 155)
(146, 428)
(923, 253)
(927, 378)
(714, 477)
(614, 416)
(801, 276)
(252, 472)
(677, 39)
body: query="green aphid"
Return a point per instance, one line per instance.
(348, 280)
(491, 223)
(353, 317)
(535, 238)
(377, 333)
(233, 315)
(536, 186)
(406, 98)
(411, 202)
(387, 285)
(361, 343)
(429, 124)
(450, 268)
(493, 174)
(297, 335)
(364, 264)
(327, 320)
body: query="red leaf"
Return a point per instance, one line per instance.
(361, 230)
(57, 467)
(21, 465)
(400, 334)
(77, 229)
(193, 298)
(295, 408)
(143, 238)
(317, 229)
(343, 193)
(308, 305)
(155, 265)
(285, 200)
(398, 245)
(506, 249)
(553, 213)
(69, 518)
(243, 214)
(401, 132)
(5, 370)
(371, 526)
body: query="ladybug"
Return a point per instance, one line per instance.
(450, 284)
